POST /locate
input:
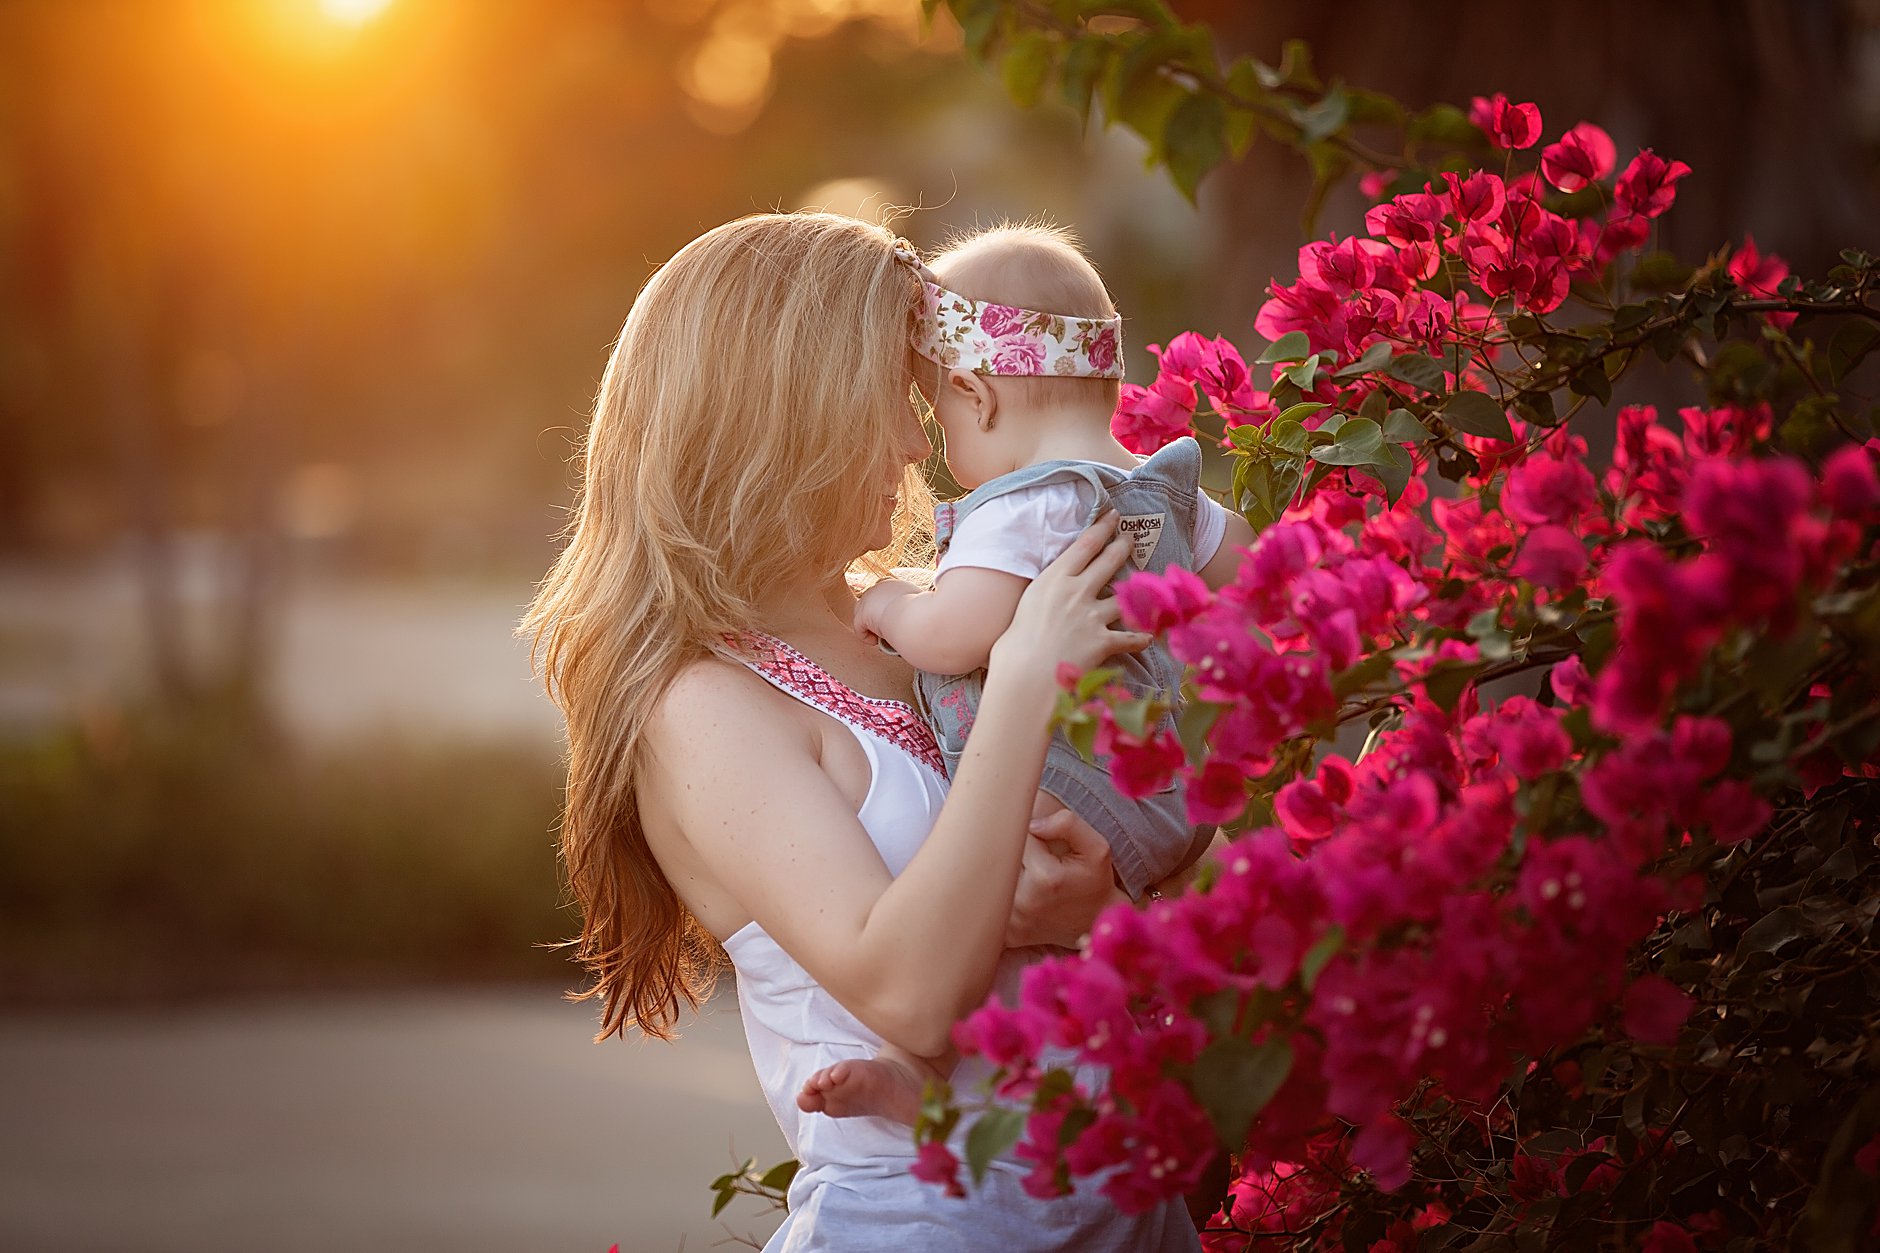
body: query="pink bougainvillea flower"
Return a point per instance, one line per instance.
(1655, 1009)
(1476, 197)
(1341, 267)
(1667, 1237)
(1849, 485)
(935, 1163)
(1506, 125)
(1217, 793)
(1213, 365)
(1372, 184)
(1867, 1158)
(1584, 155)
(1413, 218)
(1570, 681)
(1383, 1148)
(1156, 602)
(1147, 418)
(1552, 557)
(1649, 184)
(1544, 489)
(1140, 765)
(1760, 274)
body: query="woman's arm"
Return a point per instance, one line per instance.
(949, 629)
(908, 955)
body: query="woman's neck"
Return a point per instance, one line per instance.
(809, 607)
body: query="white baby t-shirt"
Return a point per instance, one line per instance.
(1023, 531)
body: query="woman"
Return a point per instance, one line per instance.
(744, 770)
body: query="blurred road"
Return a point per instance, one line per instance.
(357, 657)
(473, 1121)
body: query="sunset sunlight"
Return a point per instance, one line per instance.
(353, 12)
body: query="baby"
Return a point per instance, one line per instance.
(1024, 398)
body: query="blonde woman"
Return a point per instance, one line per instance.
(745, 773)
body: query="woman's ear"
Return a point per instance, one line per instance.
(973, 391)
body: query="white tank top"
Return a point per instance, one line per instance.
(793, 1025)
(853, 1193)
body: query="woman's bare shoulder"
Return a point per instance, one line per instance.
(716, 705)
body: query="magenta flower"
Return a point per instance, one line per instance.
(1147, 418)
(1655, 1010)
(1157, 602)
(1506, 125)
(1551, 557)
(1584, 155)
(1649, 184)
(1849, 485)
(1545, 489)
(1760, 274)
(935, 1163)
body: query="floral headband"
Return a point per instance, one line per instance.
(967, 334)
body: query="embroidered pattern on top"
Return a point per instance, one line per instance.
(895, 721)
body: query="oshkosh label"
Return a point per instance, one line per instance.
(1144, 530)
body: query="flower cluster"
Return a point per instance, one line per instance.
(1403, 928)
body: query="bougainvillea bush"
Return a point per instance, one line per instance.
(1579, 951)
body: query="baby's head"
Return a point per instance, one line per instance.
(991, 419)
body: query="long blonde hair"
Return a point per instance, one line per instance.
(757, 394)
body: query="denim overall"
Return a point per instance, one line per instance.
(1149, 838)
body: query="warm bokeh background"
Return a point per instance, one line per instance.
(301, 306)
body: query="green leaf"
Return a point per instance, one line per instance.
(1852, 341)
(1445, 684)
(1394, 470)
(1591, 380)
(1773, 931)
(991, 1134)
(1403, 427)
(1295, 66)
(1234, 1079)
(979, 22)
(1362, 673)
(1360, 441)
(1139, 95)
(1292, 346)
(1194, 140)
(1300, 412)
(1660, 271)
(1084, 64)
(1376, 357)
(1192, 726)
(1374, 106)
(778, 1177)
(1478, 413)
(1326, 948)
(1027, 62)
(1324, 118)
(1287, 434)
(1419, 371)
(1243, 80)
(1447, 125)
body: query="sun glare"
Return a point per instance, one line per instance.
(353, 12)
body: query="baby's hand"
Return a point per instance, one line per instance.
(871, 609)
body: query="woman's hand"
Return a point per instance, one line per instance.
(1064, 882)
(1063, 616)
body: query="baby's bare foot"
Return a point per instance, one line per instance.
(875, 1087)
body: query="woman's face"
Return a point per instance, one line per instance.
(914, 448)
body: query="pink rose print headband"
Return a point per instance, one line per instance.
(968, 334)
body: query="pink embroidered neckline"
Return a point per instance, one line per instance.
(895, 721)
